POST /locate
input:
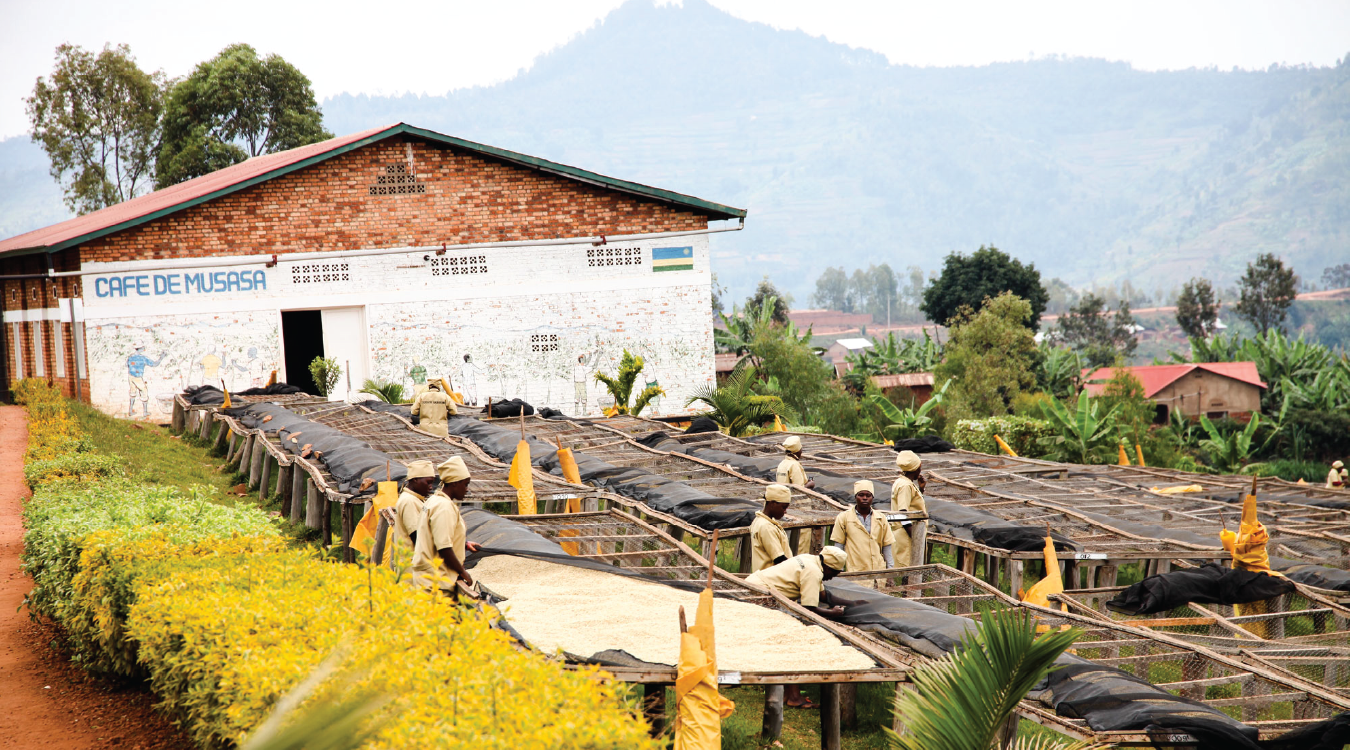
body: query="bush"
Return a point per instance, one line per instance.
(1020, 433)
(1029, 404)
(60, 516)
(77, 466)
(1309, 471)
(222, 643)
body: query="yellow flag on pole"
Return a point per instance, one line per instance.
(699, 707)
(386, 496)
(778, 424)
(1053, 583)
(1005, 447)
(1124, 457)
(1139, 454)
(521, 478)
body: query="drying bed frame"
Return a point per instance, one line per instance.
(1273, 700)
(626, 541)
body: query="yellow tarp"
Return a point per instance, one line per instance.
(386, 496)
(1248, 548)
(521, 478)
(1139, 453)
(1005, 447)
(1177, 490)
(1053, 583)
(699, 708)
(1124, 457)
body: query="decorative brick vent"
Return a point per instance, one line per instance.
(614, 256)
(544, 342)
(459, 266)
(397, 181)
(317, 273)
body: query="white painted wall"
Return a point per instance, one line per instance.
(523, 315)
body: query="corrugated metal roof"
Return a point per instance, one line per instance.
(908, 380)
(854, 344)
(1157, 377)
(261, 168)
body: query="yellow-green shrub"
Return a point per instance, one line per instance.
(223, 643)
(77, 466)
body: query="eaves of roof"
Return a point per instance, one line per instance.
(160, 203)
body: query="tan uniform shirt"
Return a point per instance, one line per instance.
(862, 547)
(432, 409)
(1335, 479)
(905, 495)
(441, 527)
(768, 540)
(790, 472)
(799, 578)
(407, 516)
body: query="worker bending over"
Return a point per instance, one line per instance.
(433, 408)
(438, 555)
(790, 469)
(865, 536)
(1336, 479)
(907, 495)
(768, 541)
(802, 578)
(408, 510)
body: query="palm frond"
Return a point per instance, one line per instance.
(390, 393)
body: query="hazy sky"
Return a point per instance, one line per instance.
(440, 46)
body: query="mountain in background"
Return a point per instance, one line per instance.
(1096, 172)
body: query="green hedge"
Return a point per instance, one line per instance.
(77, 466)
(1020, 433)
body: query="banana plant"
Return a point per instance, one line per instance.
(967, 699)
(1082, 434)
(1229, 452)
(907, 422)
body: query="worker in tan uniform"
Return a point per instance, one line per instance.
(907, 495)
(768, 539)
(438, 555)
(408, 510)
(1336, 478)
(802, 579)
(790, 469)
(865, 536)
(433, 408)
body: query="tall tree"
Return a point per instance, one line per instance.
(877, 291)
(767, 293)
(97, 117)
(234, 106)
(988, 272)
(1265, 292)
(1197, 309)
(832, 291)
(1089, 328)
(991, 356)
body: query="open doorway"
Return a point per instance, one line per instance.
(302, 340)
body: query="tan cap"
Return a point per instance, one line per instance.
(834, 557)
(453, 470)
(420, 468)
(907, 461)
(777, 493)
(864, 485)
(1337, 465)
(792, 444)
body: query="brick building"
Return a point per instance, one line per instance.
(400, 252)
(1214, 389)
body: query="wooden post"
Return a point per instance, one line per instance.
(897, 718)
(744, 553)
(918, 544)
(191, 425)
(176, 422)
(244, 451)
(348, 511)
(208, 420)
(312, 505)
(381, 536)
(222, 438)
(1071, 575)
(654, 707)
(285, 488)
(255, 461)
(848, 705)
(265, 476)
(1015, 576)
(298, 498)
(773, 713)
(325, 521)
(829, 717)
(795, 541)
(1106, 575)
(232, 443)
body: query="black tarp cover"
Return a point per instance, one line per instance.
(1107, 698)
(663, 495)
(209, 394)
(1207, 584)
(349, 460)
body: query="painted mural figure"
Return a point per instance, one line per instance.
(253, 369)
(581, 373)
(468, 380)
(136, 365)
(211, 364)
(418, 375)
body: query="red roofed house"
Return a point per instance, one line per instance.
(1214, 389)
(402, 253)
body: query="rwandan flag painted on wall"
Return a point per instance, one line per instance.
(672, 259)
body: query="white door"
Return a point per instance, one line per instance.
(344, 339)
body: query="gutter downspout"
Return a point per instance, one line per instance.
(272, 260)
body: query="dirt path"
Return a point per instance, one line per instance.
(49, 702)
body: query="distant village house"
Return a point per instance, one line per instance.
(1212, 389)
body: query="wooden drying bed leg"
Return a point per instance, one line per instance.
(348, 511)
(325, 521)
(208, 421)
(298, 498)
(312, 507)
(743, 552)
(795, 541)
(654, 707)
(848, 705)
(773, 713)
(265, 477)
(285, 487)
(255, 464)
(222, 438)
(829, 717)
(1015, 568)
